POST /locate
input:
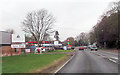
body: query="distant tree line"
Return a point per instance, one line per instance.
(107, 31)
(82, 39)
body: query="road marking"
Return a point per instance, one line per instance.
(113, 61)
(64, 64)
(110, 59)
(103, 56)
(110, 52)
(114, 58)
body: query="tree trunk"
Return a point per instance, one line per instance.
(38, 43)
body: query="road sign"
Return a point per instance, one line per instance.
(68, 40)
(18, 38)
(68, 43)
(18, 46)
(56, 42)
(18, 41)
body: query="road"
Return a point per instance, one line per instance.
(91, 62)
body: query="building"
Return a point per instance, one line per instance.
(5, 43)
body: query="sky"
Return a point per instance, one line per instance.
(72, 16)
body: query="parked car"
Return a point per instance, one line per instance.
(43, 49)
(39, 49)
(69, 48)
(93, 47)
(85, 47)
(65, 47)
(81, 48)
(49, 48)
(73, 47)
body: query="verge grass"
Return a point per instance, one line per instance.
(30, 62)
(61, 51)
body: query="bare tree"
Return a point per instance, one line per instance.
(38, 23)
(10, 31)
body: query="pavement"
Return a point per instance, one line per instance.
(92, 62)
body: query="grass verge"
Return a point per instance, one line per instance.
(60, 51)
(28, 63)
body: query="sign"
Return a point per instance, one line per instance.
(18, 38)
(27, 50)
(68, 40)
(18, 41)
(56, 43)
(18, 46)
(68, 43)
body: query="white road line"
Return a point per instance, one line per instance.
(103, 56)
(110, 58)
(64, 64)
(113, 61)
(115, 58)
(110, 52)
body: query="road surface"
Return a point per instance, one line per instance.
(91, 62)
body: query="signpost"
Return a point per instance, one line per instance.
(18, 41)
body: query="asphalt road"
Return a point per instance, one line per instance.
(89, 62)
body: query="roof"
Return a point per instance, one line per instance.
(5, 32)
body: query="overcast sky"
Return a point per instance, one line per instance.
(72, 16)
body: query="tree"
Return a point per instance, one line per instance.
(106, 31)
(10, 31)
(82, 39)
(56, 35)
(38, 24)
(71, 41)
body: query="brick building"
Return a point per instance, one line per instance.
(5, 45)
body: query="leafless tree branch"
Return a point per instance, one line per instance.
(39, 24)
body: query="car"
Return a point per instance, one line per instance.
(85, 47)
(49, 48)
(65, 47)
(43, 49)
(73, 47)
(93, 47)
(69, 48)
(39, 49)
(81, 48)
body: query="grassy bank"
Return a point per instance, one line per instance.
(61, 51)
(28, 63)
